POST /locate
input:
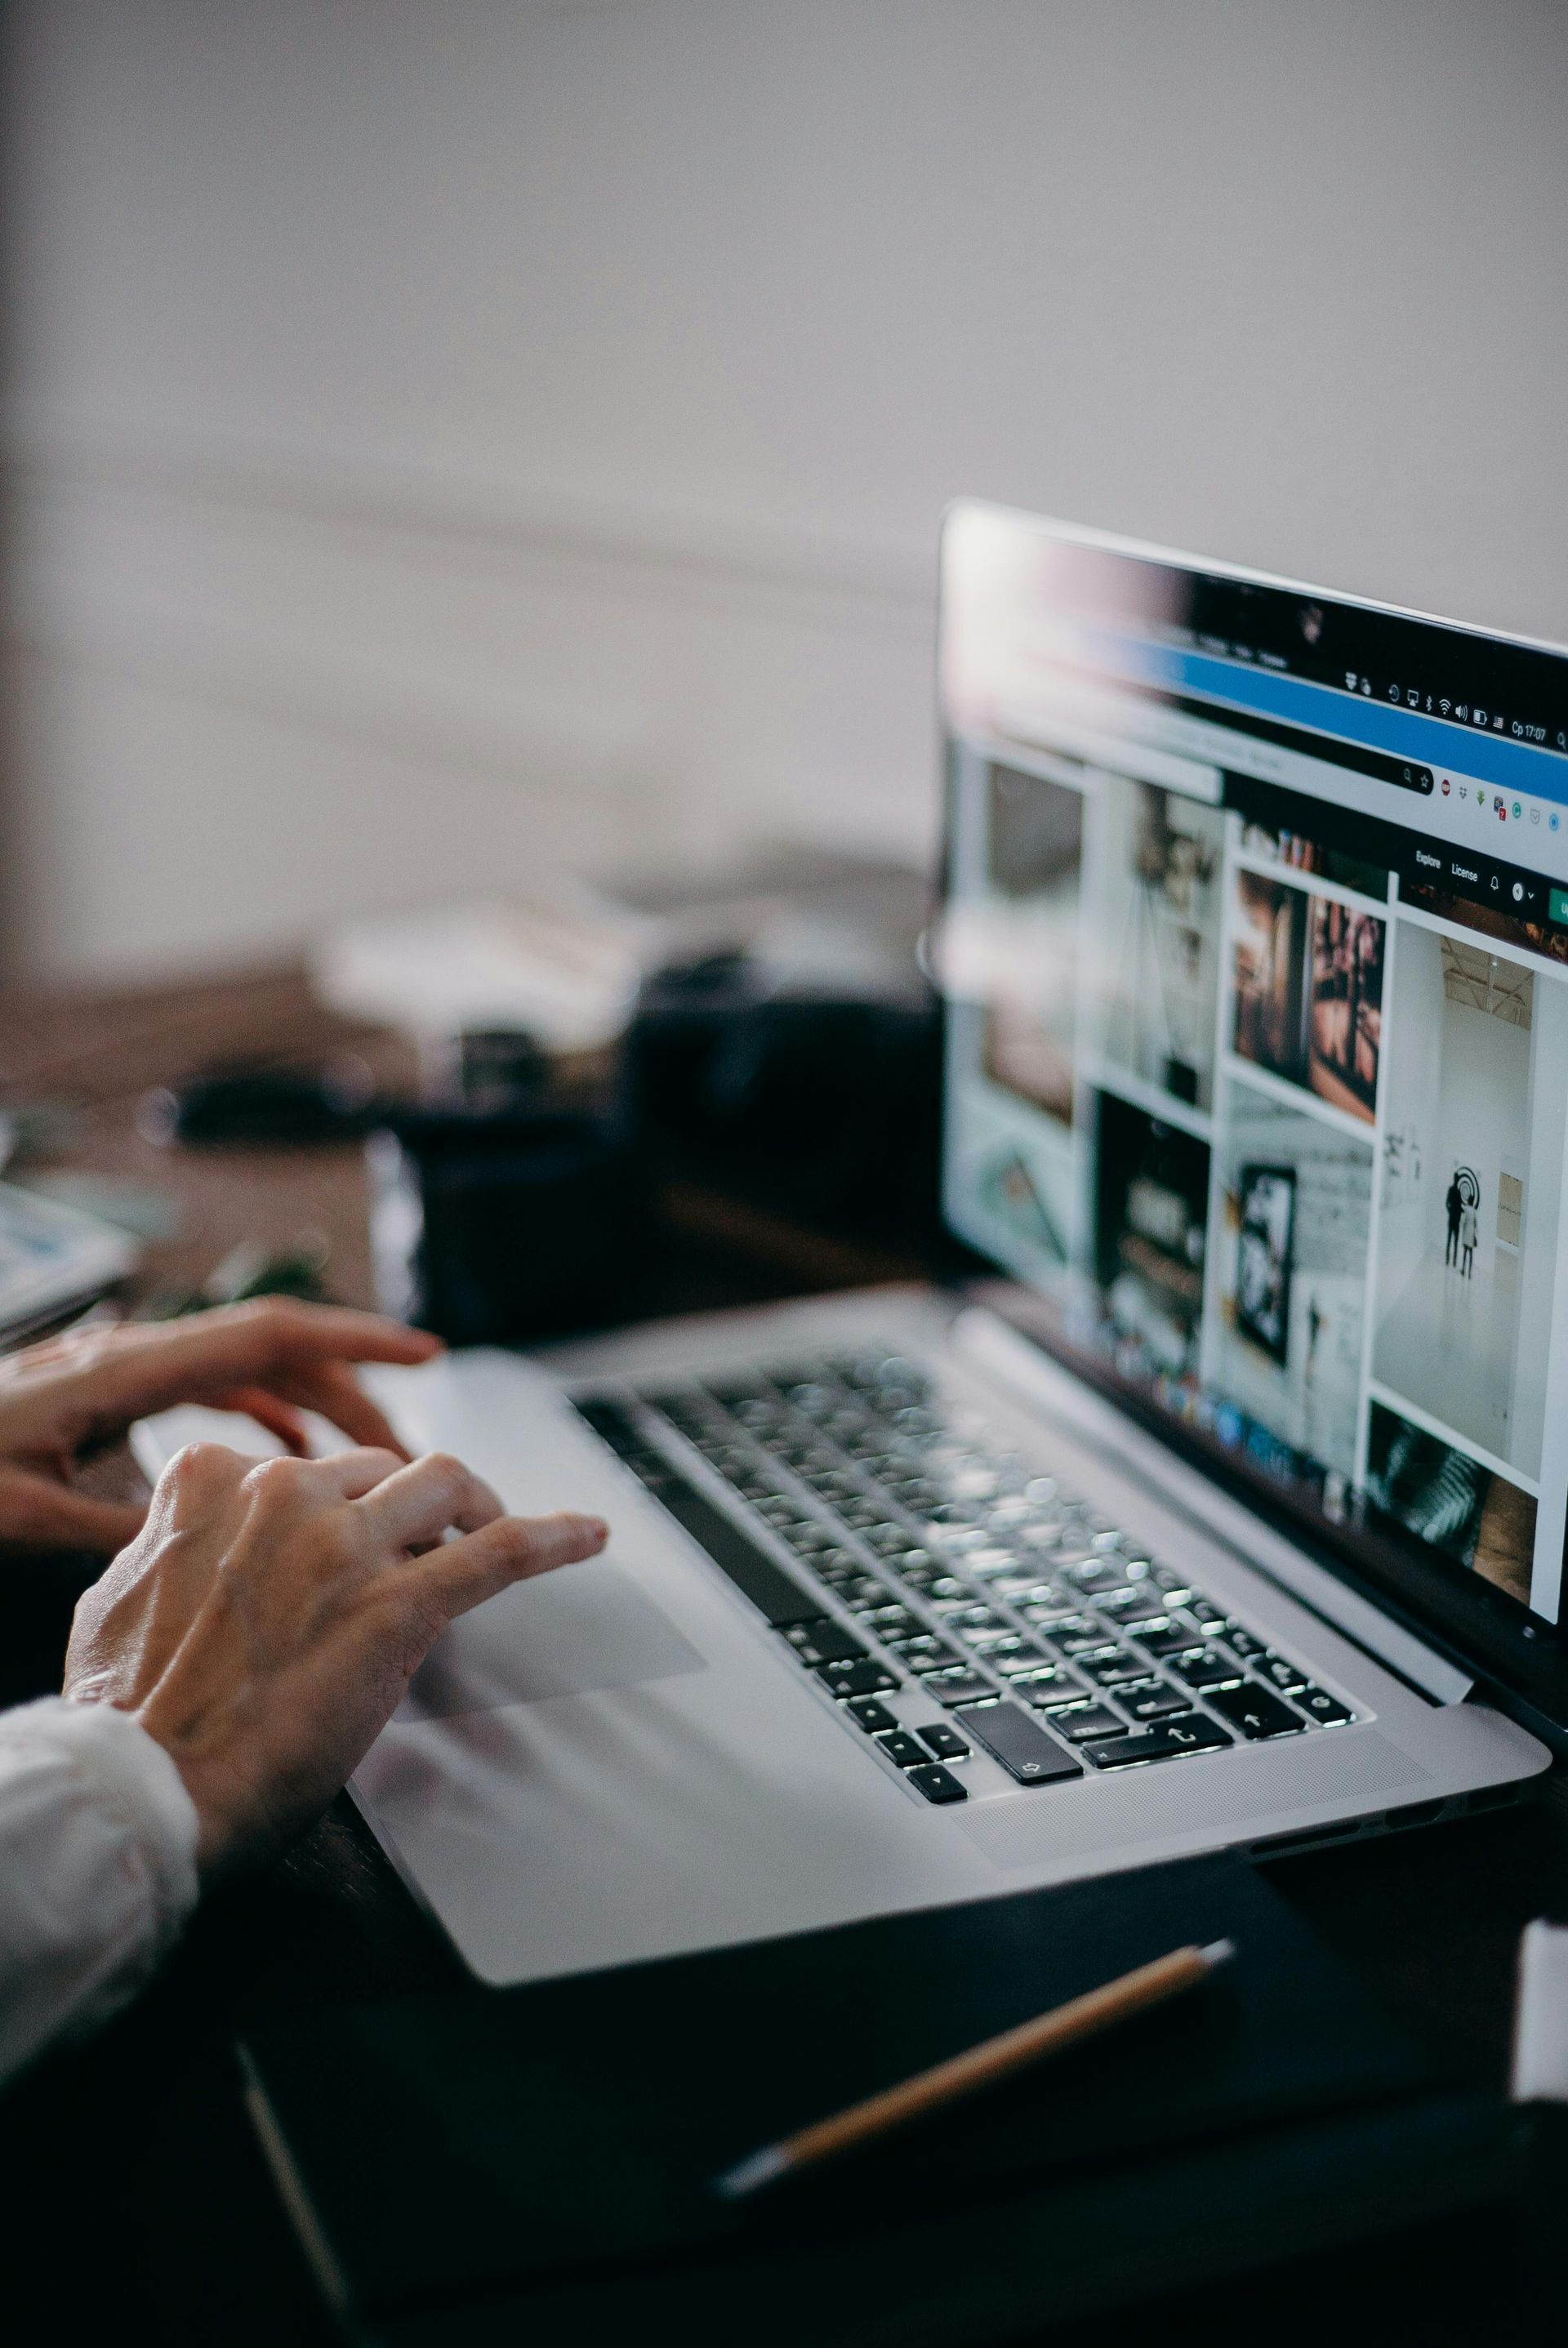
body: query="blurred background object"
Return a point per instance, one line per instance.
(453, 449)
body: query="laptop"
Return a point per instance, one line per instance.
(1225, 1506)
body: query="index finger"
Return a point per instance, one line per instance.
(146, 1369)
(461, 1574)
(270, 1333)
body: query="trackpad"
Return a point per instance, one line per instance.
(582, 1627)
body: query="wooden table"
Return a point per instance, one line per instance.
(134, 2188)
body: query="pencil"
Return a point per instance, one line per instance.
(994, 2058)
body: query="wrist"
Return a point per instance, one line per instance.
(208, 1784)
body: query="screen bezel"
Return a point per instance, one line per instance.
(1523, 1658)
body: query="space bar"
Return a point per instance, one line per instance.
(776, 1595)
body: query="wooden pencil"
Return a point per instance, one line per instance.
(994, 2058)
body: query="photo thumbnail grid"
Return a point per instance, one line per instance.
(1290, 1137)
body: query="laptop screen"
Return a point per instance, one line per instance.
(1255, 963)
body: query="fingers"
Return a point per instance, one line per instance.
(418, 1504)
(38, 1514)
(271, 1332)
(332, 1388)
(332, 1332)
(108, 1381)
(462, 1574)
(279, 1419)
(353, 1474)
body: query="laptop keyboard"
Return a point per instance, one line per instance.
(927, 1568)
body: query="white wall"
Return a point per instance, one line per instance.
(448, 441)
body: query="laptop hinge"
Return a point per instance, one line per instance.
(992, 1344)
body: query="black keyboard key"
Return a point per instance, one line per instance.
(805, 1536)
(924, 1654)
(1210, 1667)
(1048, 1686)
(1153, 1700)
(868, 1713)
(937, 1784)
(866, 1677)
(957, 1687)
(1078, 1636)
(777, 1596)
(1080, 1722)
(1166, 1743)
(1256, 1712)
(1171, 1637)
(1281, 1672)
(861, 1511)
(1099, 1573)
(976, 1617)
(891, 1625)
(1043, 1606)
(842, 1577)
(1017, 1659)
(943, 1744)
(915, 1568)
(902, 1748)
(824, 1641)
(1021, 1744)
(1193, 1734)
(1110, 1671)
(1133, 1607)
(917, 1492)
(1241, 1642)
(1213, 1618)
(1326, 1709)
(987, 1564)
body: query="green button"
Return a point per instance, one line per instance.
(1560, 905)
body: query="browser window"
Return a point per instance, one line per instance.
(1255, 961)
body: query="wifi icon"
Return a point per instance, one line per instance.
(1444, 706)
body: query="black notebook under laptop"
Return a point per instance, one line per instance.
(456, 2164)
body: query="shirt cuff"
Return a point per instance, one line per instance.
(135, 1780)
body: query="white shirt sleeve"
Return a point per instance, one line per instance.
(97, 1868)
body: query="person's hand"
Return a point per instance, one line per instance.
(264, 1624)
(272, 1358)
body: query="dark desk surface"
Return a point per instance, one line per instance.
(134, 2188)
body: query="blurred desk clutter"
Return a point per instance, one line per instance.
(547, 1109)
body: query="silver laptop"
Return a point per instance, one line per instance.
(1226, 1507)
